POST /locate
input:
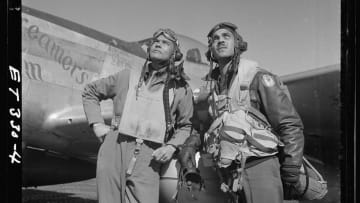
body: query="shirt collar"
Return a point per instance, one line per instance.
(160, 74)
(215, 73)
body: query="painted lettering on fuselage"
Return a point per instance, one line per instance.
(77, 57)
(32, 70)
(57, 53)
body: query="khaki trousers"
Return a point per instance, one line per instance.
(113, 185)
(262, 182)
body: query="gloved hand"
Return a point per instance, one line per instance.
(201, 94)
(189, 171)
(100, 130)
(292, 191)
(291, 183)
(187, 160)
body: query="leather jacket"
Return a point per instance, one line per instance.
(268, 95)
(274, 103)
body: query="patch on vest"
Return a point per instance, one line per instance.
(268, 80)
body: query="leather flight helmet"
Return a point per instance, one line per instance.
(170, 35)
(240, 44)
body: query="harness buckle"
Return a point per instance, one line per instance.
(132, 163)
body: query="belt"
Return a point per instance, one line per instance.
(253, 161)
(250, 162)
(127, 138)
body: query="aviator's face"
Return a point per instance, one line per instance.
(161, 49)
(222, 44)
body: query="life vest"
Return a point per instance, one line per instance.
(239, 130)
(143, 114)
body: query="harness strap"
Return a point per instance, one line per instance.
(132, 163)
(256, 144)
(169, 125)
(246, 73)
(251, 140)
(243, 162)
(214, 108)
(258, 116)
(234, 129)
(226, 137)
(232, 180)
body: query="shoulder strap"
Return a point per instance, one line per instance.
(241, 85)
(169, 124)
(246, 73)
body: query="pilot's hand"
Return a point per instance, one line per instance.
(188, 165)
(291, 182)
(187, 157)
(292, 190)
(164, 153)
(100, 130)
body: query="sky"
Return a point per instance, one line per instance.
(283, 36)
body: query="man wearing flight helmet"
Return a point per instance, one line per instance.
(141, 136)
(253, 119)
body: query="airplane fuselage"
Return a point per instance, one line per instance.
(60, 57)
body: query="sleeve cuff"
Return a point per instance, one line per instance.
(175, 147)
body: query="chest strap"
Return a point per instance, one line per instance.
(169, 124)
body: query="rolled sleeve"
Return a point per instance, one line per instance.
(95, 92)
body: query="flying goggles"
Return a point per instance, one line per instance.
(222, 25)
(169, 34)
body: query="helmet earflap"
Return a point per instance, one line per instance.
(148, 49)
(209, 55)
(241, 44)
(148, 52)
(178, 54)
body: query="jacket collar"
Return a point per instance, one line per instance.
(215, 74)
(158, 75)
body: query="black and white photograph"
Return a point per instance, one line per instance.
(164, 101)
